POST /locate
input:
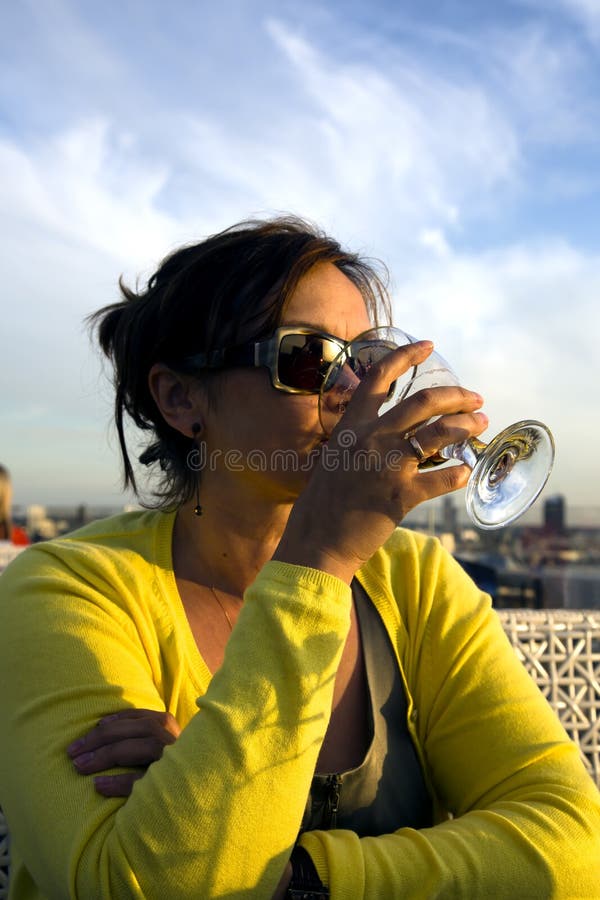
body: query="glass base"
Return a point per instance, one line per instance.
(509, 474)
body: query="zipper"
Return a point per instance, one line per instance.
(334, 786)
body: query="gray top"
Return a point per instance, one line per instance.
(387, 790)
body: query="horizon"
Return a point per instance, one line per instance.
(576, 516)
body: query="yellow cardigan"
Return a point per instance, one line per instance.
(93, 622)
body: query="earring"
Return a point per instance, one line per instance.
(197, 428)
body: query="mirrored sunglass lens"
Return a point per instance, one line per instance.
(304, 360)
(361, 356)
(354, 362)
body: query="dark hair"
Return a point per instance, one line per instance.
(230, 288)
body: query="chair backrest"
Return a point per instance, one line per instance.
(560, 649)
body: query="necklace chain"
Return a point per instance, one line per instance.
(225, 613)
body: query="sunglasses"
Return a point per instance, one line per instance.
(297, 358)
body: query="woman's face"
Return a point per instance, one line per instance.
(267, 438)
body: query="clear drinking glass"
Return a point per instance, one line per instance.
(507, 474)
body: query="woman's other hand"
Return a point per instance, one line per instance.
(130, 737)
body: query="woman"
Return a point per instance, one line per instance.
(323, 685)
(13, 538)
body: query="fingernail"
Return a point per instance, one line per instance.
(103, 780)
(74, 748)
(83, 760)
(482, 418)
(108, 718)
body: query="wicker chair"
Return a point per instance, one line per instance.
(561, 651)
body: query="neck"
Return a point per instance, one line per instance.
(229, 543)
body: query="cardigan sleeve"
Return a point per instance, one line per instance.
(525, 813)
(72, 648)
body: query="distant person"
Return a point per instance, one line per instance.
(13, 539)
(264, 688)
(8, 530)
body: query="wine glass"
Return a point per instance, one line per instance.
(507, 474)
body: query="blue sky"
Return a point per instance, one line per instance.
(458, 141)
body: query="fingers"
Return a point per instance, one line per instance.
(119, 785)
(371, 392)
(126, 752)
(162, 717)
(429, 403)
(445, 431)
(126, 723)
(368, 394)
(127, 738)
(438, 481)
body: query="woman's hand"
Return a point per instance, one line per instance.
(368, 478)
(130, 737)
(133, 737)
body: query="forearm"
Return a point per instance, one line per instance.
(196, 821)
(529, 848)
(252, 746)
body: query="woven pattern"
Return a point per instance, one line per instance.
(561, 651)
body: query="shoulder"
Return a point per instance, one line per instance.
(124, 530)
(420, 579)
(107, 550)
(111, 577)
(411, 556)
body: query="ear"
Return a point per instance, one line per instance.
(179, 398)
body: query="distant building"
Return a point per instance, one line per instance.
(571, 586)
(81, 516)
(449, 516)
(554, 514)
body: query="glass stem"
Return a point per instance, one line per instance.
(467, 451)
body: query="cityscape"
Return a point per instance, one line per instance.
(543, 564)
(548, 561)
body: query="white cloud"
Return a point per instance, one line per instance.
(435, 240)
(434, 149)
(408, 134)
(521, 325)
(88, 186)
(397, 152)
(353, 136)
(586, 12)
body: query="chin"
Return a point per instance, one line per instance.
(293, 483)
